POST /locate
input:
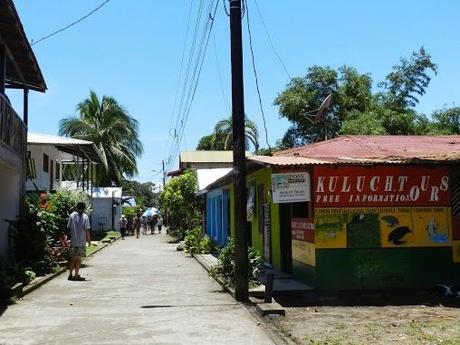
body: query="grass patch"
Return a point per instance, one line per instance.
(97, 240)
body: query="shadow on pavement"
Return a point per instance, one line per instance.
(154, 306)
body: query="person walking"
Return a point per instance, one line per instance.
(137, 223)
(123, 226)
(79, 228)
(159, 224)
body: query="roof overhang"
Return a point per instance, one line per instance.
(22, 69)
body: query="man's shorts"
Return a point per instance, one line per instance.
(78, 251)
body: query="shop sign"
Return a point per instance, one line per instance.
(381, 186)
(303, 252)
(291, 187)
(303, 229)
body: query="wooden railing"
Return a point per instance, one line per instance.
(13, 131)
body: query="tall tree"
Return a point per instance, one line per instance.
(221, 138)
(409, 80)
(355, 108)
(350, 91)
(114, 133)
(447, 120)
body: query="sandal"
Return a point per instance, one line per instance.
(70, 277)
(79, 278)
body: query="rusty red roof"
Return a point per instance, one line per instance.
(380, 149)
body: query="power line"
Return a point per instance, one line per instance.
(271, 41)
(254, 69)
(71, 24)
(224, 96)
(192, 75)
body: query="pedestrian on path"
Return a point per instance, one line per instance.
(159, 224)
(137, 223)
(123, 226)
(79, 228)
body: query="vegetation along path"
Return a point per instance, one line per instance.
(139, 291)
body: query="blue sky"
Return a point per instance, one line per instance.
(132, 50)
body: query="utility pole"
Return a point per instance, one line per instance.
(164, 174)
(239, 154)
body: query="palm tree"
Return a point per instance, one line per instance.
(223, 132)
(114, 133)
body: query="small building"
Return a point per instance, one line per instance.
(358, 212)
(106, 205)
(194, 160)
(48, 154)
(18, 70)
(217, 205)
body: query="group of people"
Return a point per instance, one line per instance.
(138, 223)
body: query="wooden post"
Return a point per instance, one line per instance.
(25, 110)
(239, 153)
(2, 69)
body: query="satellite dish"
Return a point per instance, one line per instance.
(319, 117)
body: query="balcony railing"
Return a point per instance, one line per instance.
(13, 131)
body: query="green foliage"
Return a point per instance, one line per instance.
(408, 80)
(142, 192)
(447, 120)
(207, 245)
(197, 243)
(63, 203)
(28, 275)
(192, 241)
(225, 268)
(114, 133)
(222, 137)
(179, 204)
(355, 109)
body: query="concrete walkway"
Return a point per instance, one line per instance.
(138, 292)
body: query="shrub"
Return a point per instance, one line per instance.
(197, 243)
(225, 268)
(207, 245)
(179, 205)
(192, 241)
(63, 203)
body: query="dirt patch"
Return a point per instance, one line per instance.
(402, 325)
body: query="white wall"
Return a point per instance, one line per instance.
(43, 178)
(10, 187)
(101, 218)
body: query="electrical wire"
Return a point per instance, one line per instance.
(192, 76)
(256, 77)
(70, 25)
(271, 41)
(224, 96)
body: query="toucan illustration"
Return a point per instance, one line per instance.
(398, 234)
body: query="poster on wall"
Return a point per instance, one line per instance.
(354, 186)
(291, 187)
(303, 229)
(388, 227)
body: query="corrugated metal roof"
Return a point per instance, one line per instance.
(46, 139)
(207, 156)
(362, 149)
(287, 160)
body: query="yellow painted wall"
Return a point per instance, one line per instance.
(263, 176)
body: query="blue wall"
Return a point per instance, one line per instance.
(217, 216)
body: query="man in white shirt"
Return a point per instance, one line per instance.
(79, 228)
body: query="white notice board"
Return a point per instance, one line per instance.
(291, 187)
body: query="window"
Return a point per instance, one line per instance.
(46, 163)
(58, 171)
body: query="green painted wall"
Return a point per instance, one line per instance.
(263, 176)
(380, 268)
(303, 272)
